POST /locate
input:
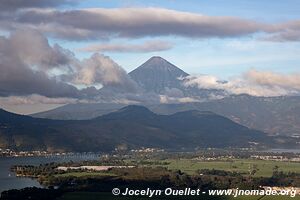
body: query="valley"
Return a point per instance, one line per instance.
(204, 169)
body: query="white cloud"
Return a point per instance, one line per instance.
(100, 69)
(165, 99)
(253, 82)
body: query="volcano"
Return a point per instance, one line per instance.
(157, 75)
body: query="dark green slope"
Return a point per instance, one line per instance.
(272, 115)
(193, 128)
(134, 126)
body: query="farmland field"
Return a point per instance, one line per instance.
(84, 174)
(265, 168)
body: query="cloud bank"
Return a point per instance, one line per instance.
(12, 5)
(135, 23)
(253, 82)
(105, 24)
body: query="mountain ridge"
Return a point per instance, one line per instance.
(273, 115)
(183, 130)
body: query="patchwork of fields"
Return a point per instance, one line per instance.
(265, 168)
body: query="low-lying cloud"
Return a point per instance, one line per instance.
(34, 99)
(253, 82)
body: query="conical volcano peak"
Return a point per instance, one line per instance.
(160, 64)
(156, 59)
(157, 74)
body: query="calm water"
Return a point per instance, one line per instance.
(8, 180)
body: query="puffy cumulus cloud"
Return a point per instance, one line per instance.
(253, 82)
(17, 77)
(289, 81)
(100, 69)
(203, 81)
(33, 48)
(148, 46)
(25, 60)
(10, 5)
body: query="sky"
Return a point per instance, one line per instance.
(219, 56)
(58, 52)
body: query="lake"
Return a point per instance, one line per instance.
(8, 180)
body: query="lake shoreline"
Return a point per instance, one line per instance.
(9, 180)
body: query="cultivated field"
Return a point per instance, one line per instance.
(265, 168)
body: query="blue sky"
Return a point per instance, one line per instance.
(220, 57)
